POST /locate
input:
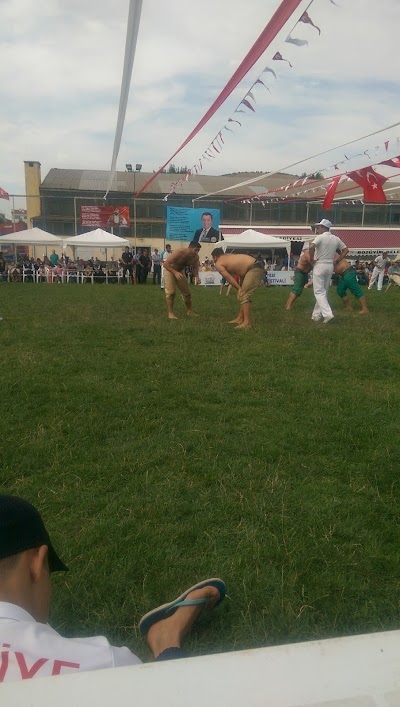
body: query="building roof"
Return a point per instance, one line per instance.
(376, 239)
(130, 182)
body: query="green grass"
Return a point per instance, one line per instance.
(161, 453)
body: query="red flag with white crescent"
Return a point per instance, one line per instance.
(372, 183)
(330, 193)
(4, 195)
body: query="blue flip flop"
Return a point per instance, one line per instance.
(166, 610)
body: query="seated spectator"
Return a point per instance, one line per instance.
(27, 561)
(87, 272)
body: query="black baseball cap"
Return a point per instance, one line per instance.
(22, 528)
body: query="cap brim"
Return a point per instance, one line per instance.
(55, 563)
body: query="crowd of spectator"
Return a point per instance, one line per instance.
(134, 267)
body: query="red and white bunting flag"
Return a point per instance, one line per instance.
(264, 84)
(278, 57)
(4, 195)
(220, 137)
(296, 41)
(230, 129)
(330, 193)
(308, 21)
(231, 120)
(387, 145)
(247, 104)
(251, 95)
(372, 183)
(215, 148)
(394, 162)
(268, 70)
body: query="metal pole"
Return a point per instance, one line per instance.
(307, 213)
(251, 212)
(76, 231)
(13, 214)
(363, 215)
(134, 210)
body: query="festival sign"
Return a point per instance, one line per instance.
(200, 225)
(105, 216)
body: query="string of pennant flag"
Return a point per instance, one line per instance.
(367, 177)
(247, 105)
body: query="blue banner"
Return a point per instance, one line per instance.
(193, 224)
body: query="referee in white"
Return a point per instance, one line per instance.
(323, 250)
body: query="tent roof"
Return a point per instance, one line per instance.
(97, 239)
(31, 236)
(253, 239)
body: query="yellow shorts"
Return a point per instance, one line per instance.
(251, 281)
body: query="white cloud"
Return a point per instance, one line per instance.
(61, 69)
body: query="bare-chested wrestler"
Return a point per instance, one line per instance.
(251, 272)
(348, 281)
(301, 275)
(174, 276)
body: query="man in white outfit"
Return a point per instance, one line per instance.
(378, 272)
(323, 249)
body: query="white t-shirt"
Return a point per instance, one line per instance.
(29, 649)
(326, 245)
(380, 263)
(166, 255)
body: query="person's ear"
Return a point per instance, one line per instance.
(39, 563)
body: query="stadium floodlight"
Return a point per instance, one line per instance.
(128, 167)
(138, 167)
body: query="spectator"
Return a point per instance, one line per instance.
(54, 258)
(157, 260)
(127, 265)
(144, 263)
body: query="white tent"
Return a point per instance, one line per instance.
(96, 239)
(32, 236)
(253, 240)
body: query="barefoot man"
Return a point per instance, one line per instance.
(348, 281)
(301, 274)
(251, 272)
(174, 276)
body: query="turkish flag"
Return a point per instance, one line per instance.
(3, 194)
(330, 193)
(371, 182)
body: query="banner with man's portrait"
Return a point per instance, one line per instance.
(200, 225)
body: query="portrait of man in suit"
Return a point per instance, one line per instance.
(207, 234)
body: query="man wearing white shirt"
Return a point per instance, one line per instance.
(167, 252)
(323, 250)
(378, 272)
(30, 648)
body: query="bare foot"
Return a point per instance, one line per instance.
(364, 311)
(243, 326)
(169, 633)
(172, 316)
(192, 314)
(288, 308)
(236, 321)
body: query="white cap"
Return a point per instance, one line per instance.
(325, 222)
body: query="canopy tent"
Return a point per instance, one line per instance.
(96, 239)
(32, 236)
(253, 240)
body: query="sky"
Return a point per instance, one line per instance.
(61, 66)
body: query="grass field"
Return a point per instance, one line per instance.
(161, 453)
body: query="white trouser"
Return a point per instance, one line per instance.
(162, 278)
(322, 274)
(376, 275)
